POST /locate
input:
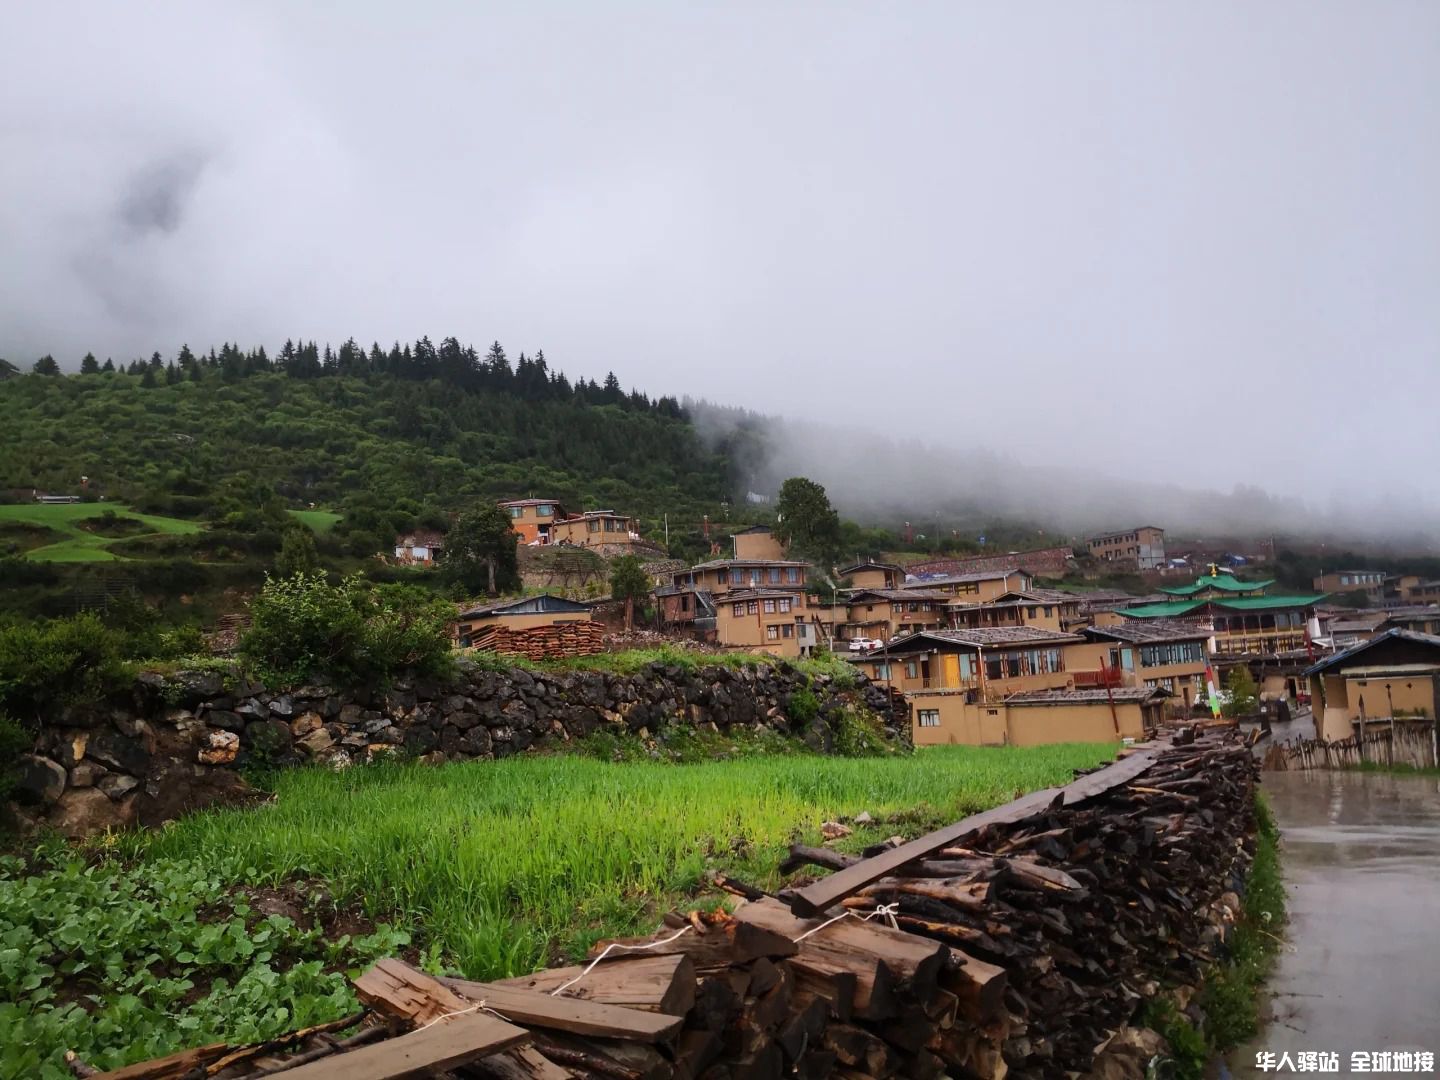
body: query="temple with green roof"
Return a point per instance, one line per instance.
(1245, 617)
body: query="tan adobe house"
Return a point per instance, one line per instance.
(531, 518)
(873, 575)
(1142, 547)
(1391, 676)
(757, 542)
(978, 587)
(881, 614)
(1049, 609)
(689, 601)
(423, 547)
(764, 620)
(616, 533)
(1167, 655)
(525, 613)
(1370, 582)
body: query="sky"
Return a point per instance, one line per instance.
(1182, 243)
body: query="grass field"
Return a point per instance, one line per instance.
(76, 544)
(322, 521)
(171, 939)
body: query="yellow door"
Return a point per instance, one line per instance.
(952, 669)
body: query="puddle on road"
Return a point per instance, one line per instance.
(1361, 862)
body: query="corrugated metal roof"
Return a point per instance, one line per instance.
(1355, 650)
(1157, 630)
(1121, 695)
(525, 605)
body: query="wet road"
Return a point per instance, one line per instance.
(1361, 970)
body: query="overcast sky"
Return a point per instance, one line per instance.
(1195, 242)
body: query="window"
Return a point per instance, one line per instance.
(722, 577)
(592, 525)
(517, 511)
(774, 575)
(685, 602)
(611, 525)
(882, 671)
(739, 610)
(792, 574)
(787, 630)
(545, 510)
(912, 670)
(784, 605)
(769, 607)
(929, 718)
(752, 608)
(1049, 611)
(772, 633)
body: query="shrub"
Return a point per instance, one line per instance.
(14, 741)
(44, 665)
(303, 626)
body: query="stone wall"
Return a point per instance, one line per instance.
(178, 743)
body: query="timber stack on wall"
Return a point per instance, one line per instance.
(560, 641)
(1019, 941)
(174, 744)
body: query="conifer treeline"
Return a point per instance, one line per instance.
(529, 378)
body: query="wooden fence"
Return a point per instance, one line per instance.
(1396, 742)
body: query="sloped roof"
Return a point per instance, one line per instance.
(986, 637)
(1223, 582)
(870, 565)
(725, 564)
(525, 605)
(1142, 633)
(1176, 608)
(1397, 634)
(901, 595)
(965, 579)
(754, 529)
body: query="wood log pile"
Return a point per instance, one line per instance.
(555, 642)
(1017, 941)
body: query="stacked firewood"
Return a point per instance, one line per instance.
(554, 642)
(1016, 941)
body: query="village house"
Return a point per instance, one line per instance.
(1007, 686)
(1048, 609)
(881, 614)
(689, 602)
(771, 621)
(1142, 547)
(615, 533)
(1370, 582)
(974, 587)
(757, 542)
(531, 519)
(1163, 654)
(525, 613)
(1347, 627)
(1390, 676)
(1243, 617)
(423, 547)
(1421, 592)
(873, 575)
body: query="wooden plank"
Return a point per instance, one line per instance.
(569, 1014)
(829, 891)
(658, 983)
(522, 1063)
(396, 989)
(172, 1065)
(443, 1045)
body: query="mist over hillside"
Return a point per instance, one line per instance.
(935, 479)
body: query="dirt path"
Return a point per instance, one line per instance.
(1361, 862)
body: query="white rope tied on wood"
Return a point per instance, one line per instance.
(887, 910)
(479, 1006)
(619, 945)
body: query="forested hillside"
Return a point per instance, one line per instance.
(377, 436)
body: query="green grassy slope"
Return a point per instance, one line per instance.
(78, 544)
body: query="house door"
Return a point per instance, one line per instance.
(952, 669)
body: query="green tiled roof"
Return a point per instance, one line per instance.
(1175, 608)
(1223, 582)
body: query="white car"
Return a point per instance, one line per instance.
(863, 644)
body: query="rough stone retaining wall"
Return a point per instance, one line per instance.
(175, 743)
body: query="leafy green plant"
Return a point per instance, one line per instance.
(14, 741)
(303, 626)
(44, 665)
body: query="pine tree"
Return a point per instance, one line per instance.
(46, 365)
(148, 379)
(89, 365)
(109, 365)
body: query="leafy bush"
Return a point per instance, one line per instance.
(303, 626)
(803, 706)
(14, 741)
(44, 665)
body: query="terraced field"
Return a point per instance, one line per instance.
(76, 528)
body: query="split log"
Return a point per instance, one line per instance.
(656, 983)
